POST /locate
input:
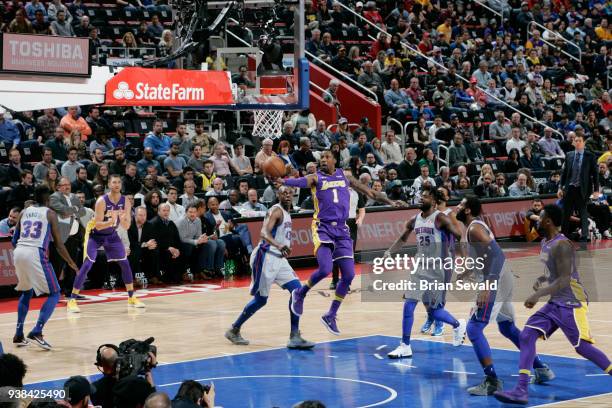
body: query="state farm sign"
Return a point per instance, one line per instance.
(47, 55)
(168, 87)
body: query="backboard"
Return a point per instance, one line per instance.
(261, 46)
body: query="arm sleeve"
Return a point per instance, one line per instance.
(301, 182)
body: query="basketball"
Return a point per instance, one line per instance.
(274, 167)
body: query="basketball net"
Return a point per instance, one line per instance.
(268, 123)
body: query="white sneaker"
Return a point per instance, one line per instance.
(459, 333)
(607, 234)
(402, 351)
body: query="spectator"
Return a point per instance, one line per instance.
(224, 229)
(158, 400)
(365, 127)
(398, 100)
(102, 177)
(443, 176)
(203, 139)
(98, 123)
(500, 129)
(283, 153)
(75, 141)
(232, 203)
(500, 183)
(61, 26)
(196, 161)
(519, 188)
(42, 168)
(550, 147)
(130, 182)
(192, 394)
(78, 392)
(7, 225)
(343, 131)
(362, 148)
(84, 28)
(85, 186)
(9, 134)
(69, 168)
(208, 175)
(20, 24)
(217, 188)
(423, 179)
(409, 168)
(512, 164)
(371, 166)
(13, 370)
(202, 253)
(102, 142)
(253, 203)
(72, 121)
(435, 127)
(173, 163)
(158, 141)
(155, 28)
(188, 197)
(392, 152)
(15, 166)
(169, 242)
(48, 123)
(330, 94)
(165, 46)
(223, 165)
(321, 138)
(395, 191)
(23, 192)
(530, 161)
(515, 142)
(177, 211)
(457, 154)
(51, 179)
(147, 161)
(304, 155)
(487, 188)
(428, 160)
(265, 153)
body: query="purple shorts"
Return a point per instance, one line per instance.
(572, 321)
(113, 247)
(336, 235)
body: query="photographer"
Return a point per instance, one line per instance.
(192, 394)
(131, 359)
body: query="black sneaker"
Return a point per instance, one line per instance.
(20, 341)
(39, 340)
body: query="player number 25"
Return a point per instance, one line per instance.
(31, 229)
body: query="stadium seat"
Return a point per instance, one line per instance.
(553, 164)
(142, 126)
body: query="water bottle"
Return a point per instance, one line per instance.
(229, 269)
(189, 275)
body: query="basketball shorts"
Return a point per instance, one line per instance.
(34, 271)
(334, 234)
(269, 268)
(498, 306)
(572, 321)
(112, 244)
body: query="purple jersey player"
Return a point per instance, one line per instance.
(112, 211)
(565, 310)
(330, 234)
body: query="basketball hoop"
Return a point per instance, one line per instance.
(268, 123)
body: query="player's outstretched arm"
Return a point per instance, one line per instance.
(402, 239)
(57, 240)
(373, 194)
(562, 252)
(274, 218)
(301, 182)
(447, 224)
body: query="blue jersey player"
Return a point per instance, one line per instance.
(330, 234)
(35, 228)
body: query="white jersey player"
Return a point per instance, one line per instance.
(269, 265)
(431, 228)
(35, 228)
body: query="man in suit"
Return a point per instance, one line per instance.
(168, 244)
(69, 210)
(144, 252)
(578, 181)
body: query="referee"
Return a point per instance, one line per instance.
(355, 219)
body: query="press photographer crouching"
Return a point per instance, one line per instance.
(192, 394)
(127, 378)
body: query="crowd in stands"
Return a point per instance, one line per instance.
(110, 390)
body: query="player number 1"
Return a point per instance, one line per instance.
(335, 191)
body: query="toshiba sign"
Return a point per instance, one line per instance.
(47, 55)
(168, 87)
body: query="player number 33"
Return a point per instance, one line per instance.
(34, 394)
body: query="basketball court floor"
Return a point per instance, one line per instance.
(348, 371)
